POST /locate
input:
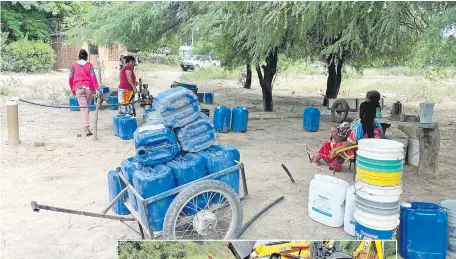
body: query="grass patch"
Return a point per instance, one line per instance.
(211, 73)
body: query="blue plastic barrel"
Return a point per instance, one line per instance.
(113, 100)
(188, 168)
(200, 97)
(311, 119)
(128, 167)
(74, 104)
(423, 231)
(177, 106)
(197, 135)
(208, 98)
(239, 119)
(115, 186)
(93, 106)
(220, 157)
(127, 127)
(155, 144)
(222, 119)
(150, 182)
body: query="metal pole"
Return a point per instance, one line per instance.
(244, 181)
(12, 115)
(37, 207)
(115, 200)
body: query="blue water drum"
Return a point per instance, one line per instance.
(222, 119)
(221, 157)
(208, 98)
(311, 119)
(197, 135)
(115, 123)
(115, 186)
(239, 119)
(155, 144)
(200, 97)
(92, 105)
(150, 182)
(128, 167)
(188, 168)
(127, 127)
(423, 231)
(114, 101)
(74, 104)
(177, 106)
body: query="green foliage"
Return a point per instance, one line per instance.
(170, 249)
(389, 248)
(150, 58)
(27, 56)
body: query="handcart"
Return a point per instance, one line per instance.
(340, 107)
(204, 209)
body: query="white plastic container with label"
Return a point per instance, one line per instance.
(327, 200)
(349, 220)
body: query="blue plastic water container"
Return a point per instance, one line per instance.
(208, 98)
(311, 119)
(222, 119)
(200, 97)
(150, 182)
(188, 168)
(177, 107)
(423, 231)
(239, 119)
(155, 144)
(127, 127)
(197, 135)
(115, 123)
(129, 166)
(220, 157)
(191, 87)
(74, 104)
(104, 89)
(115, 186)
(113, 100)
(147, 112)
(92, 104)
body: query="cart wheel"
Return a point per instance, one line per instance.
(205, 210)
(339, 111)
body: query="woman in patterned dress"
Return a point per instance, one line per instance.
(346, 135)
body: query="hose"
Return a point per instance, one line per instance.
(66, 106)
(255, 217)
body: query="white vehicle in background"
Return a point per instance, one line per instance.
(198, 61)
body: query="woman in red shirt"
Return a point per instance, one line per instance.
(83, 84)
(127, 86)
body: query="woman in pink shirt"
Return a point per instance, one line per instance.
(84, 85)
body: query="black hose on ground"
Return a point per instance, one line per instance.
(255, 217)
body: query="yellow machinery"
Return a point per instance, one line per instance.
(282, 250)
(369, 250)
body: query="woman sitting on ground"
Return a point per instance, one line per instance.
(366, 127)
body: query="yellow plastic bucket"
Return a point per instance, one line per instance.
(379, 178)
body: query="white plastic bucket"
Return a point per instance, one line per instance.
(426, 112)
(450, 207)
(374, 227)
(404, 141)
(382, 194)
(383, 145)
(399, 155)
(414, 152)
(327, 200)
(349, 220)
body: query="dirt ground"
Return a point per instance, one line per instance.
(71, 171)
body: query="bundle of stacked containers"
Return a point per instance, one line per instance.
(173, 148)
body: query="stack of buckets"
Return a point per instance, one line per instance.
(378, 187)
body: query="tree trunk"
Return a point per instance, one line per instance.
(266, 77)
(248, 78)
(334, 78)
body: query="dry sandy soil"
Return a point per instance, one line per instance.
(71, 171)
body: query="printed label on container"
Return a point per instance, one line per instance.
(151, 127)
(321, 205)
(365, 233)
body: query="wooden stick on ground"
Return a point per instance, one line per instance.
(98, 103)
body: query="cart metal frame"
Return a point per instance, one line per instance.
(145, 229)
